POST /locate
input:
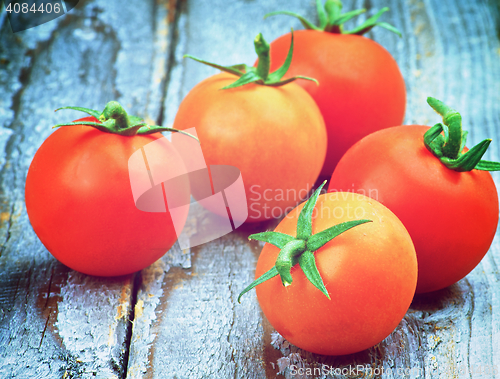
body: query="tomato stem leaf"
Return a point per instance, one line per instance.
(90, 112)
(114, 119)
(332, 20)
(488, 166)
(304, 222)
(292, 79)
(247, 78)
(260, 74)
(280, 72)
(307, 263)
(268, 275)
(96, 125)
(318, 240)
(446, 141)
(275, 238)
(322, 15)
(300, 249)
(469, 160)
(236, 69)
(371, 22)
(434, 140)
(305, 23)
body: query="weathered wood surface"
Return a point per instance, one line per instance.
(179, 318)
(55, 322)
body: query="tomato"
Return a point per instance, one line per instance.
(274, 135)
(451, 216)
(80, 202)
(360, 89)
(369, 271)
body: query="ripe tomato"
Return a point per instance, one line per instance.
(80, 202)
(370, 272)
(451, 216)
(360, 89)
(274, 135)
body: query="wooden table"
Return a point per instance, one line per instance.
(179, 317)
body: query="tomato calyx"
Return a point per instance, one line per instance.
(114, 119)
(331, 19)
(447, 141)
(300, 249)
(260, 74)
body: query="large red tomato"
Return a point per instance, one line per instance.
(451, 216)
(274, 135)
(360, 89)
(80, 202)
(369, 271)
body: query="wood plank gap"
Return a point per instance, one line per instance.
(43, 332)
(136, 285)
(174, 11)
(31, 55)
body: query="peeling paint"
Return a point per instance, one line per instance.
(138, 309)
(124, 302)
(4, 216)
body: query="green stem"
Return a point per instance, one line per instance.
(113, 110)
(262, 50)
(331, 19)
(284, 263)
(114, 119)
(333, 10)
(447, 141)
(453, 120)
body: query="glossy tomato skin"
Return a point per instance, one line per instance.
(80, 203)
(361, 88)
(275, 136)
(370, 272)
(451, 216)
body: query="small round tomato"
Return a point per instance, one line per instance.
(361, 88)
(80, 202)
(369, 272)
(275, 135)
(451, 215)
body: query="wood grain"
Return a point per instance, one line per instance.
(55, 322)
(179, 317)
(445, 334)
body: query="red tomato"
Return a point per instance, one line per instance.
(274, 135)
(80, 203)
(451, 216)
(370, 272)
(360, 90)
